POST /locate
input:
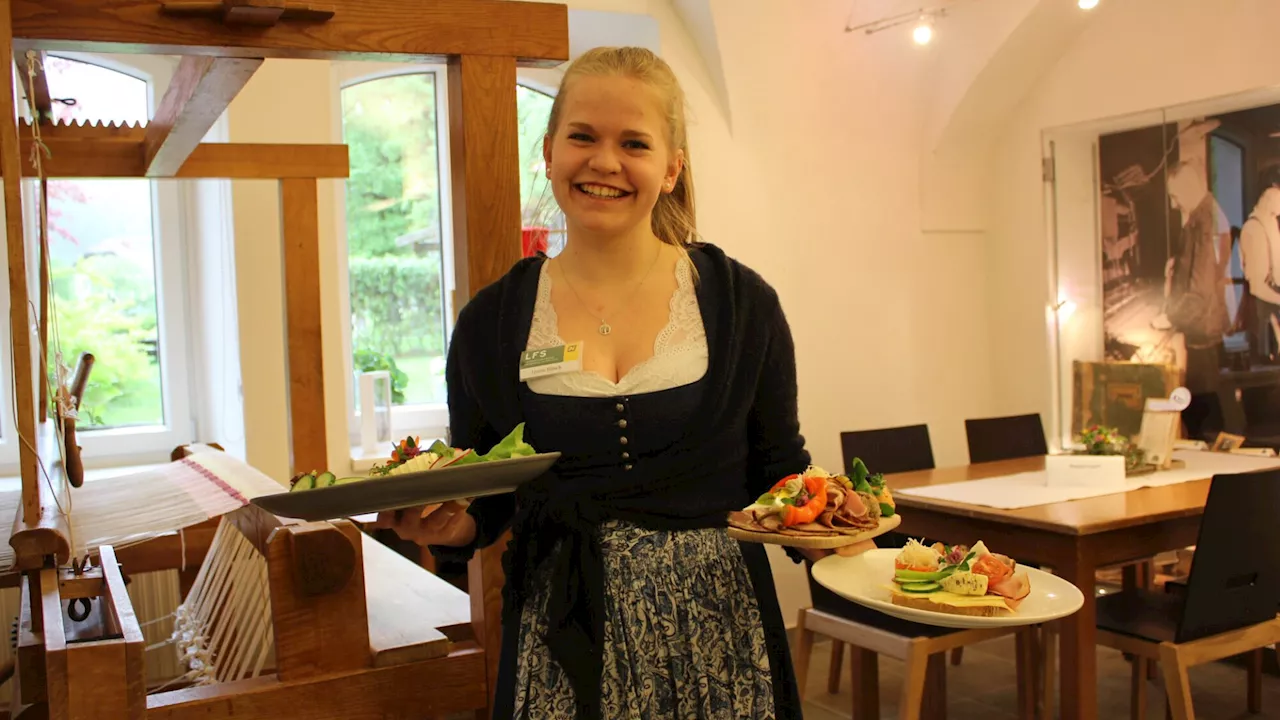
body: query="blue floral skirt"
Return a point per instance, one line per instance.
(682, 634)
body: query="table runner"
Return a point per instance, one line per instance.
(1028, 489)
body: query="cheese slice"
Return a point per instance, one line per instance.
(949, 598)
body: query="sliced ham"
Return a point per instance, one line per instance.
(771, 523)
(853, 505)
(813, 529)
(847, 513)
(745, 521)
(1014, 587)
(835, 493)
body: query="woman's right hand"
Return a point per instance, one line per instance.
(447, 524)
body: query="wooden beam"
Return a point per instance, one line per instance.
(305, 356)
(536, 34)
(485, 163)
(253, 12)
(103, 151)
(19, 324)
(248, 161)
(36, 538)
(199, 93)
(315, 577)
(434, 688)
(36, 88)
(50, 622)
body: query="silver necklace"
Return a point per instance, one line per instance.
(605, 328)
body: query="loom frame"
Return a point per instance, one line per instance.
(222, 43)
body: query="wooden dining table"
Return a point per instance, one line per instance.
(1073, 539)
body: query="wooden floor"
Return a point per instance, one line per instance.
(983, 688)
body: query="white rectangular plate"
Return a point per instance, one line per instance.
(396, 492)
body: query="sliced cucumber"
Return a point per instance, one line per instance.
(348, 480)
(306, 482)
(921, 587)
(325, 479)
(906, 576)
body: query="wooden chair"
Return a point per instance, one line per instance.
(1228, 607)
(870, 633)
(898, 449)
(1005, 438)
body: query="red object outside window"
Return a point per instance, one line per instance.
(534, 240)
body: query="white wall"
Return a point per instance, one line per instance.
(286, 101)
(1133, 59)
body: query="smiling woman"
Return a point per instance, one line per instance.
(683, 409)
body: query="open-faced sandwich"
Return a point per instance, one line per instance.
(816, 503)
(409, 456)
(958, 580)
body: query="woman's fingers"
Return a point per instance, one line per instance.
(813, 555)
(440, 523)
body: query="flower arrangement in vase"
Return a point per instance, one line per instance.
(1102, 440)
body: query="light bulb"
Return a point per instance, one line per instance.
(1087, 4)
(922, 34)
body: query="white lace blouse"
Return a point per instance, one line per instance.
(679, 352)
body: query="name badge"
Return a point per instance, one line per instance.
(550, 361)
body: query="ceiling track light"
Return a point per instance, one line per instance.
(922, 17)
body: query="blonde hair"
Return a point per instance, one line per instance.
(674, 220)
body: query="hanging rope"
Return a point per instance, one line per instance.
(56, 390)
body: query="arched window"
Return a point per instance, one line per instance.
(115, 279)
(398, 234)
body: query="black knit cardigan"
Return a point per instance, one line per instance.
(743, 438)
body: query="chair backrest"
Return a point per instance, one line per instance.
(1005, 438)
(889, 450)
(1235, 573)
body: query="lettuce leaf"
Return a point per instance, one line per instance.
(512, 446)
(439, 448)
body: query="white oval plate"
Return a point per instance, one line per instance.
(865, 579)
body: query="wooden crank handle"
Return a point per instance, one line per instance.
(74, 465)
(81, 379)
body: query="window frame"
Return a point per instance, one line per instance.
(8, 420)
(430, 420)
(141, 444)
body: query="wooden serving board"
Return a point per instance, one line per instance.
(815, 542)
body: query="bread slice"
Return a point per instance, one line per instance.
(940, 602)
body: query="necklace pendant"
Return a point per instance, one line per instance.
(605, 329)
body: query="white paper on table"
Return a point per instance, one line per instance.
(1010, 492)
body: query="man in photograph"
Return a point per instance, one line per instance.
(1195, 302)
(1259, 253)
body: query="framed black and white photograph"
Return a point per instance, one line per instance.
(1190, 253)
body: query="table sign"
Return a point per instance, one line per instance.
(1161, 425)
(1097, 471)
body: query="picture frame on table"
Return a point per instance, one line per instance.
(1226, 442)
(1159, 433)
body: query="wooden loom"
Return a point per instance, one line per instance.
(346, 618)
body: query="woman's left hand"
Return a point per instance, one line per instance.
(815, 555)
